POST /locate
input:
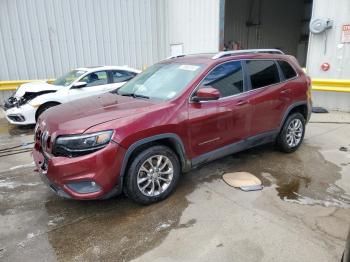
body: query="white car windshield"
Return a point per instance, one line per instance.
(161, 81)
(68, 78)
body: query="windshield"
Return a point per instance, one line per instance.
(68, 78)
(161, 81)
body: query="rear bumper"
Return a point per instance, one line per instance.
(101, 167)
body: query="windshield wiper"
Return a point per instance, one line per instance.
(134, 95)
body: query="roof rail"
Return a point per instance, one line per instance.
(246, 51)
(174, 56)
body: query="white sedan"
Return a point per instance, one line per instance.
(32, 99)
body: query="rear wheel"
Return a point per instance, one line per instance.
(292, 133)
(152, 175)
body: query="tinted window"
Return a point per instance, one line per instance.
(262, 73)
(95, 79)
(119, 76)
(227, 78)
(287, 69)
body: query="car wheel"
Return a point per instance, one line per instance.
(292, 133)
(152, 175)
(43, 108)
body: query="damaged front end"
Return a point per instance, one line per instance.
(14, 101)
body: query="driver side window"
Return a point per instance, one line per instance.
(227, 78)
(95, 79)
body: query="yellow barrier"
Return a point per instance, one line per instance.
(12, 85)
(330, 85)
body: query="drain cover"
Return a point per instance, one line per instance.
(243, 180)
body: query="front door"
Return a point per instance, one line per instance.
(96, 84)
(214, 124)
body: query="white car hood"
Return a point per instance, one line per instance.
(35, 87)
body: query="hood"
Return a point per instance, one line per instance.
(35, 87)
(77, 116)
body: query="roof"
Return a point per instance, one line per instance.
(98, 68)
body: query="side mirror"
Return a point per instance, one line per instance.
(206, 93)
(79, 85)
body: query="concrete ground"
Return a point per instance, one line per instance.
(302, 214)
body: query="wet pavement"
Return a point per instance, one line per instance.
(302, 214)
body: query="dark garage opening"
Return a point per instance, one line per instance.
(281, 24)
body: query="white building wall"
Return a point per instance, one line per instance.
(45, 38)
(193, 23)
(336, 54)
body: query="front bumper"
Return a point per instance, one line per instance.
(101, 167)
(23, 115)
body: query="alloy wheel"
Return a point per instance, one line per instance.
(294, 132)
(155, 175)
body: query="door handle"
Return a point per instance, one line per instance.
(285, 91)
(241, 103)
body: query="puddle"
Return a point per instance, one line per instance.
(304, 177)
(119, 229)
(106, 230)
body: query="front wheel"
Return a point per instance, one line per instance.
(292, 133)
(43, 108)
(152, 175)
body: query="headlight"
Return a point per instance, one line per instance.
(77, 145)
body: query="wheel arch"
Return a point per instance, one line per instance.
(171, 140)
(300, 107)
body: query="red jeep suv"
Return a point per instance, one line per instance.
(179, 113)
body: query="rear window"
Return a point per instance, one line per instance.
(287, 70)
(262, 73)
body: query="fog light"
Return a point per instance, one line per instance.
(17, 118)
(84, 187)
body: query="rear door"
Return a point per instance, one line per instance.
(117, 78)
(214, 124)
(267, 96)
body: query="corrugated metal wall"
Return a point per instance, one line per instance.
(45, 38)
(195, 24)
(280, 23)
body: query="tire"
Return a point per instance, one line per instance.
(139, 183)
(292, 133)
(43, 108)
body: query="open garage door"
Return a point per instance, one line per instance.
(281, 24)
